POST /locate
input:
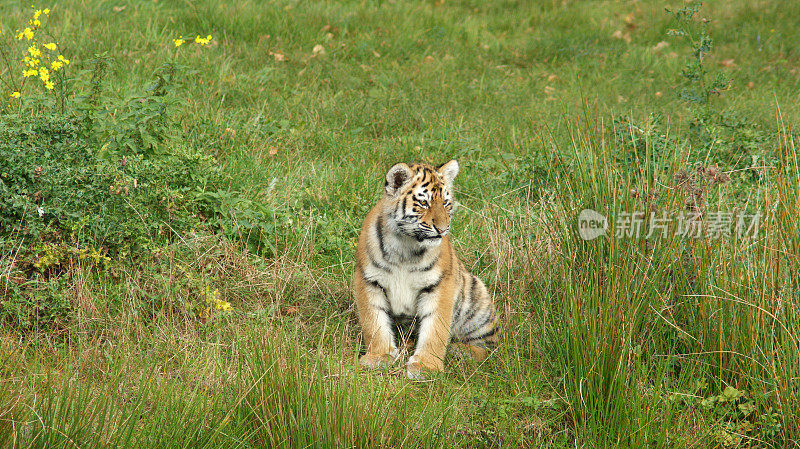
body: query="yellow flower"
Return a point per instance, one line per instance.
(35, 22)
(46, 11)
(30, 72)
(27, 33)
(34, 51)
(223, 305)
(203, 40)
(179, 41)
(56, 65)
(51, 46)
(37, 13)
(31, 62)
(15, 95)
(44, 74)
(63, 59)
(49, 85)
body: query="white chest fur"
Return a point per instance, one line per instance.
(402, 286)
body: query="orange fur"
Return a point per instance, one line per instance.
(407, 270)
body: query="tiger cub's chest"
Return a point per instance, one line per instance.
(403, 286)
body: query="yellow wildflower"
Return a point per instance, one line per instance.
(15, 94)
(179, 41)
(46, 11)
(56, 65)
(203, 40)
(49, 85)
(37, 13)
(63, 59)
(44, 74)
(30, 72)
(35, 22)
(27, 33)
(223, 305)
(51, 46)
(34, 51)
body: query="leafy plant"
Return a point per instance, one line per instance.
(700, 83)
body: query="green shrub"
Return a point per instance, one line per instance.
(108, 178)
(58, 182)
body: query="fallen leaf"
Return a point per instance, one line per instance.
(376, 54)
(429, 58)
(659, 94)
(291, 310)
(118, 8)
(620, 35)
(661, 45)
(278, 56)
(728, 63)
(318, 50)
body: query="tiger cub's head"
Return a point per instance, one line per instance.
(419, 200)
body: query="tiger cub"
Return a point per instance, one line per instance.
(408, 275)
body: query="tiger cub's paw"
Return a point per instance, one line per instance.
(379, 360)
(419, 368)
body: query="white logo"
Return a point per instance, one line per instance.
(591, 224)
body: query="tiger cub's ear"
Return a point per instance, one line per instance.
(449, 171)
(397, 177)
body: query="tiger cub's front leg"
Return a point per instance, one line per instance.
(375, 321)
(434, 317)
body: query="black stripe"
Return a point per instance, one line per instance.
(484, 323)
(429, 288)
(374, 284)
(481, 337)
(402, 317)
(380, 266)
(463, 297)
(425, 290)
(383, 290)
(473, 309)
(419, 252)
(428, 268)
(460, 304)
(379, 231)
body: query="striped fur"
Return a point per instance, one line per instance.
(409, 281)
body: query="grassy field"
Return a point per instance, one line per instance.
(549, 106)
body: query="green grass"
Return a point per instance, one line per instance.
(609, 343)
